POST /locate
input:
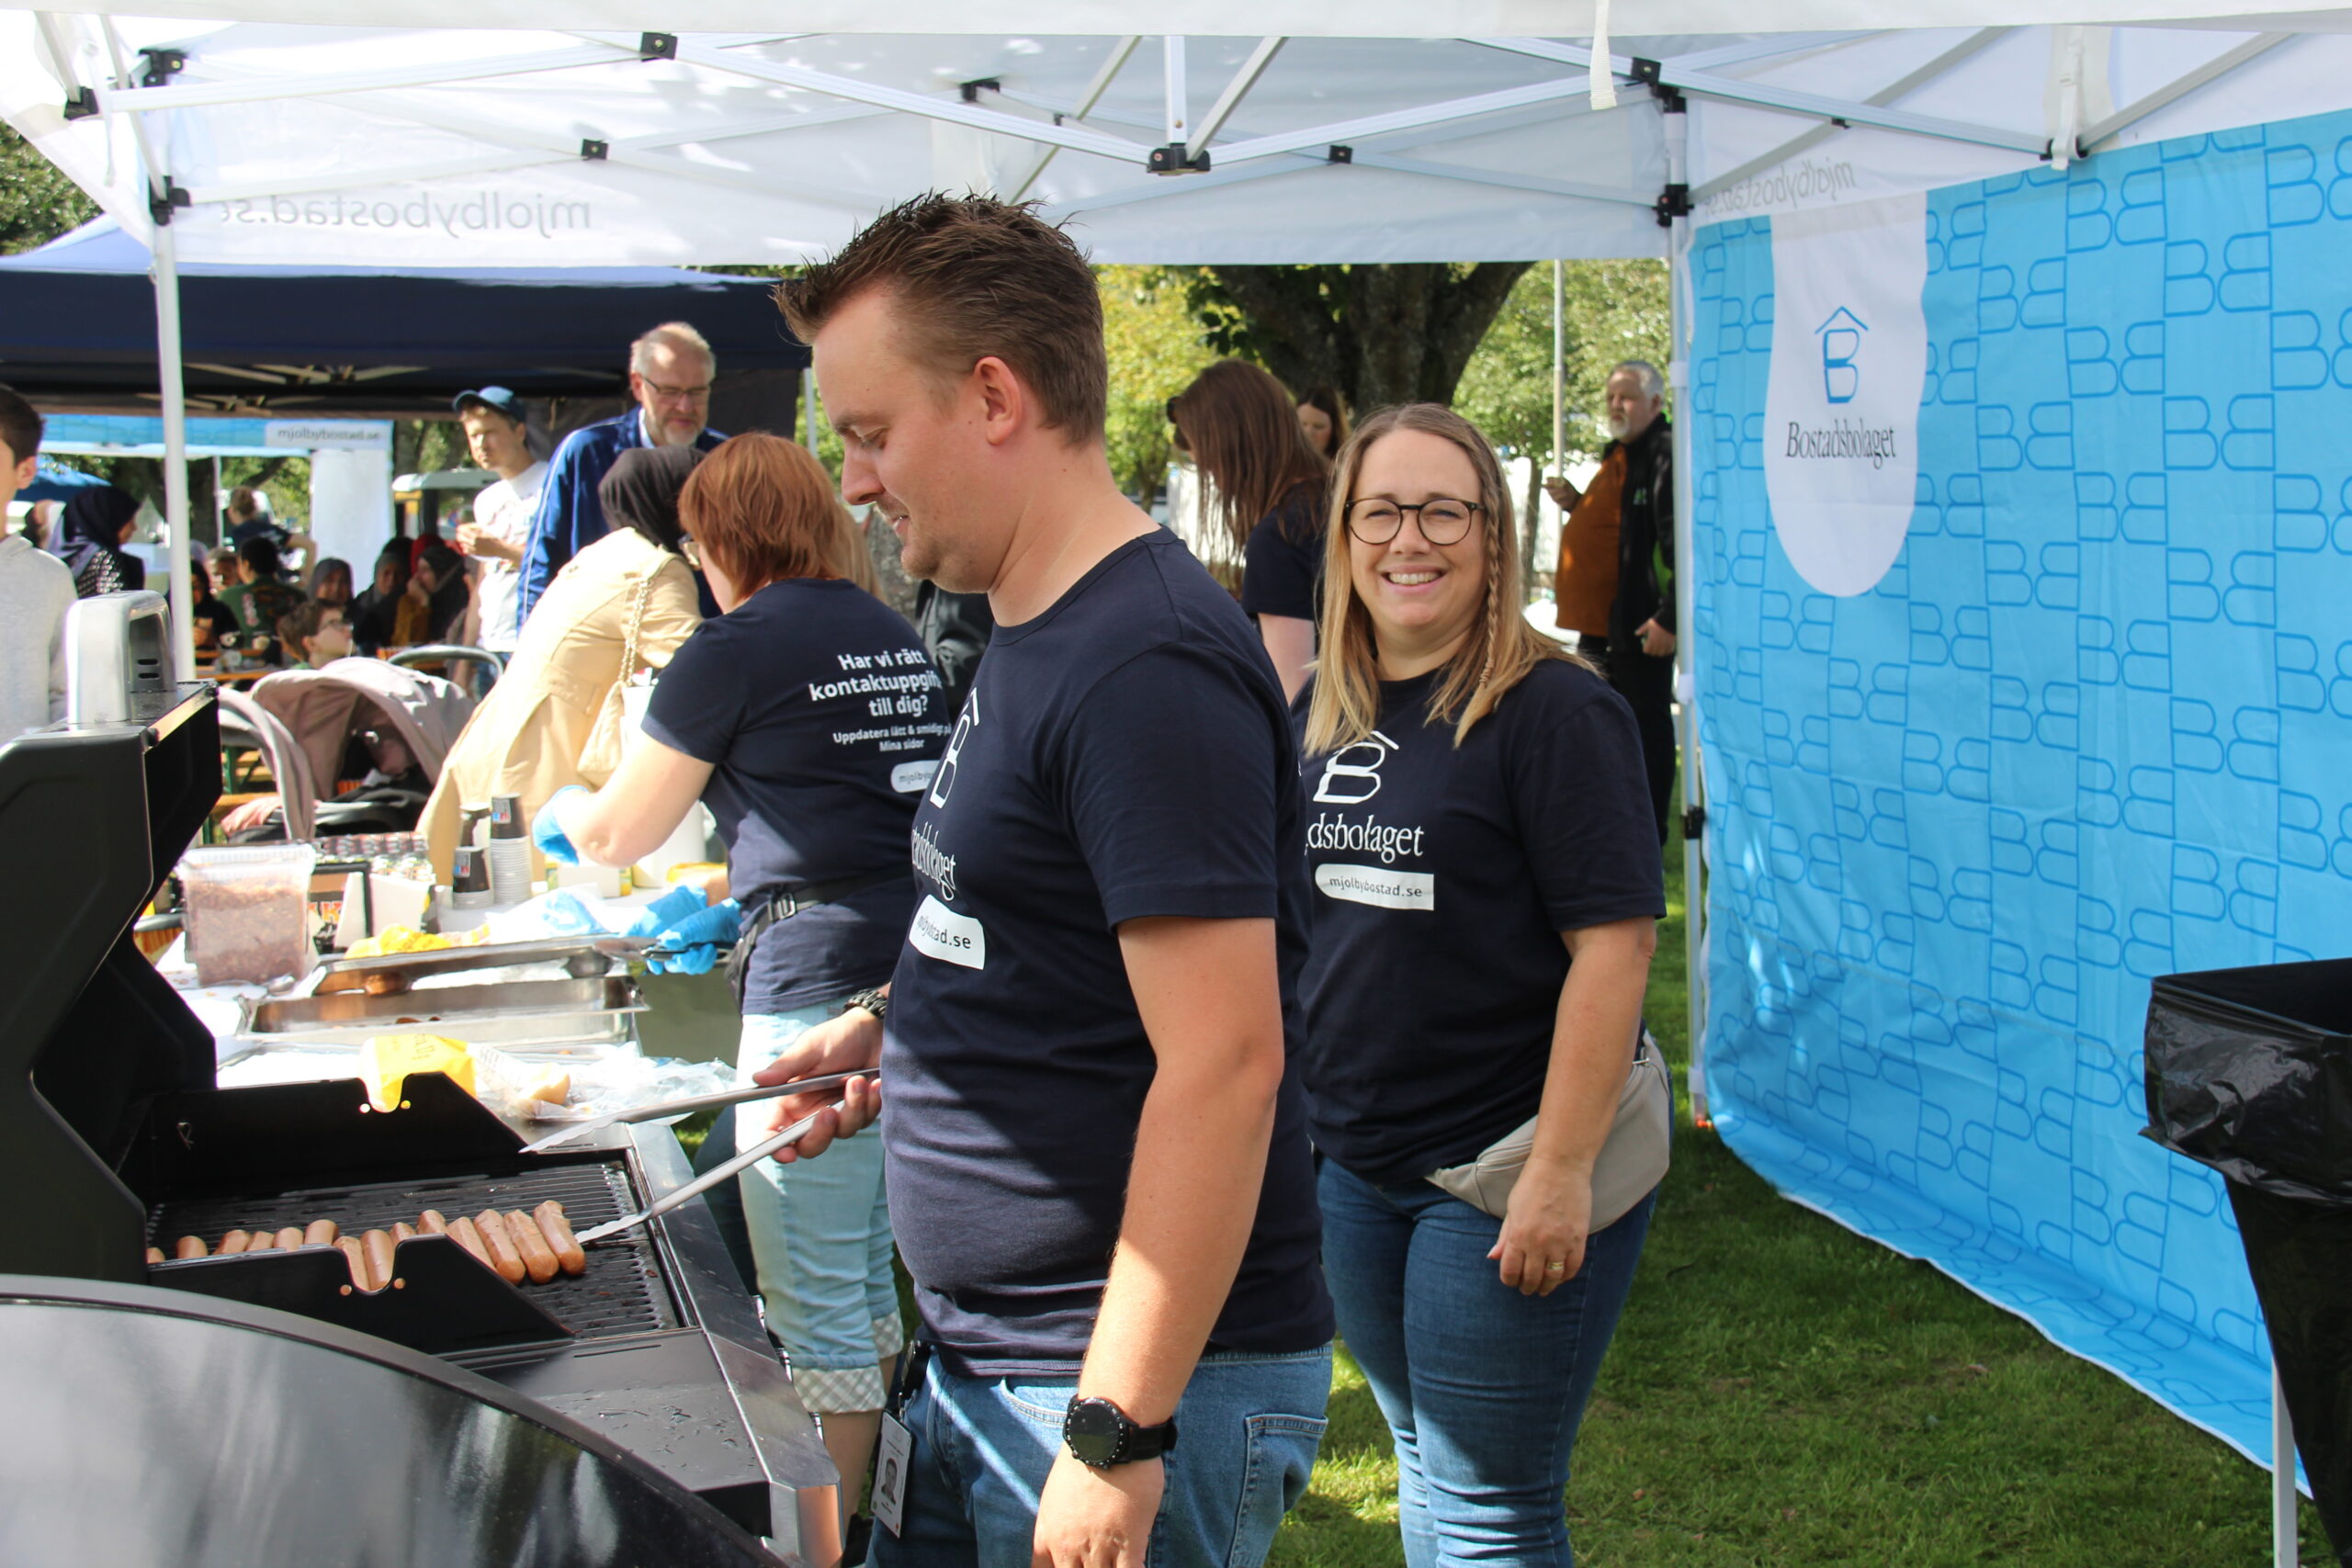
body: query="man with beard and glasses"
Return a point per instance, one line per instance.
(1095, 1149)
(669, 373)
(1614, 584)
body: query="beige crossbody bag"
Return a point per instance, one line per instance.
(1633, 1161)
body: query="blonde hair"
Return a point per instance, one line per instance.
(1495, 657)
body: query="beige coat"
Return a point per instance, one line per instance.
(527, 737)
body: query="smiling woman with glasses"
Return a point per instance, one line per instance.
(1486, 884)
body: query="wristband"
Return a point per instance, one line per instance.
(872, 1000)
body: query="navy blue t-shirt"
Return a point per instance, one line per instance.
(820, 715)
(1123, 754)
(1281, 563)
(1443, 878)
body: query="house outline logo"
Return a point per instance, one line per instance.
(1841, 378)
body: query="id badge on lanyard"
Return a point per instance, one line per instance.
(894, 1455)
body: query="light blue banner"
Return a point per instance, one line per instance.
(2089, 729)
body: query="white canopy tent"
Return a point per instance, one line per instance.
(560, 132)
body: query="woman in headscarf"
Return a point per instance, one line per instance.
(97, 522)
(622, 604)
(434, 607)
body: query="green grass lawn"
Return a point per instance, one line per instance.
(1783, 1392)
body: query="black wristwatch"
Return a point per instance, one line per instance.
(1098, 1433)
(874, 1001)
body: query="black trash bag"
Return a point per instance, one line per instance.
(2301, 1255)
(2250, 1072)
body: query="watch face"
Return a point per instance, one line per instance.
(1095, 1430)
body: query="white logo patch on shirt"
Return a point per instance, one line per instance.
(908, 777)
(1376, 885)
(942, 933)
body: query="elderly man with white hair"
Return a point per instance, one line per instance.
(1614, 584)
(670, 372)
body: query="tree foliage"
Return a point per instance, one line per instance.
(1385, 333)
(38, 203)
(1156, 348)
(1613, 312)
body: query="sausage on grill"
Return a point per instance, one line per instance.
(538, 1259)
(557, 1228)
(378, 1245)
(502, 1255)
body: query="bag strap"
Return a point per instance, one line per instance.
(636, 624)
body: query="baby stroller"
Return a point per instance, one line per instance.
(356, 747)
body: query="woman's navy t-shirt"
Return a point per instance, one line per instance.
(1443, 878)
(1122, 754)
(1281, 563)
(820, 715)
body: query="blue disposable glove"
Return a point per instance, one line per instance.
(685, 899)
(548, 833)
(690, 946)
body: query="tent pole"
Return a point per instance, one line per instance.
(1694, 903)
(168, 355)
(2286, 1551)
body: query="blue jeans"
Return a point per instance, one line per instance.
(1483, 1387)
(1246, 1434)
(820, 1231)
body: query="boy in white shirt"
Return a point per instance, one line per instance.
(502, 513)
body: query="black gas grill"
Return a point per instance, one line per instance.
(112, 1129)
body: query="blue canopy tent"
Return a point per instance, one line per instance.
(78, 330)
(54, 481)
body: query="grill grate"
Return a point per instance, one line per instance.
(622, 1292)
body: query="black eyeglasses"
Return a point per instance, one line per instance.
(1171, 410)
(1442, 520)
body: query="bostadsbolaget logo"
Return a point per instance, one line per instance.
(1350, 776)
(1849, 356)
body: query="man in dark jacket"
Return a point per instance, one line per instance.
(1638, 653)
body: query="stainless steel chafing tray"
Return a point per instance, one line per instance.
(449, 1008)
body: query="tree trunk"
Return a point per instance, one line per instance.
(1381, 334)
(1529, 531)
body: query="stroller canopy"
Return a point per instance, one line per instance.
(322, 709)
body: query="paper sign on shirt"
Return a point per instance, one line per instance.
(1841, 407)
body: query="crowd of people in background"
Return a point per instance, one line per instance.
(1151, 905)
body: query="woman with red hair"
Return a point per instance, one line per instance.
(809, 719)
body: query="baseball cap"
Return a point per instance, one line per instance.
(499, 398)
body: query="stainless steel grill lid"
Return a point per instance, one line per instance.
(151, 1426)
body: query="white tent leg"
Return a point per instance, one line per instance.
(2284, 1550)
(167, 357)
(1686, 665)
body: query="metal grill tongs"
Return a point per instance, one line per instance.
(726, 1172)
(663, 1110)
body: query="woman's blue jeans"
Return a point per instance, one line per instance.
(1482, 1387)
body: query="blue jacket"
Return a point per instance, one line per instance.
(570, 518)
